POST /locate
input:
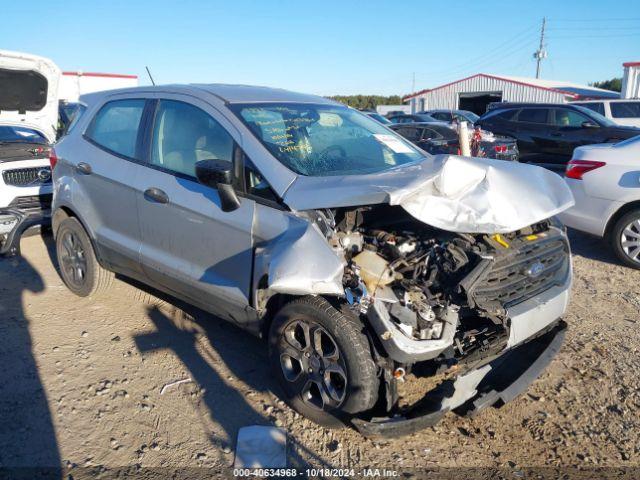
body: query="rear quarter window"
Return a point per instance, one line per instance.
(595, 106)
(115, 126)
(625, 109)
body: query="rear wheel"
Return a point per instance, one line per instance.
(79, 268)
(323, 361)
(625, 238)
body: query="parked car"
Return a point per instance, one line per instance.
(376, 116)
(411, 118)
(311, 225)
(28, 115)
(437, 138)
(547, 134)
(451, 115)
(605, 181)
(622, 112)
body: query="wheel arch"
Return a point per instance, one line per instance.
(61, 213)
(623, 210)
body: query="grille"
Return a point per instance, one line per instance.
(22, 177)
(509, 282)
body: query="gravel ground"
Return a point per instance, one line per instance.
(81, 385)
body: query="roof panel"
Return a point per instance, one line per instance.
(252, 94)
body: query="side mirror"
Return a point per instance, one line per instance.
(588, 124)
(219, 174)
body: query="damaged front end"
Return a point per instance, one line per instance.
(445, 309)
(13, 224)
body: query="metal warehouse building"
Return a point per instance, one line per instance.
(476, 92)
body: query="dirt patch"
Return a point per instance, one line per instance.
(91, 383)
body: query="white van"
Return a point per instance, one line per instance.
(623, 111)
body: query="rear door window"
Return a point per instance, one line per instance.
(410, 133)
(115, 126)
(595, 106)
(625, 109)
(430, 134)
(533, 115)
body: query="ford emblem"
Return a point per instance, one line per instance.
(535, 270)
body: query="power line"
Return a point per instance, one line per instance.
(480, 59)
(590, 28)
(622, 35)
(489, 58)
(574, 20)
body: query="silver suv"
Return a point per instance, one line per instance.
(368, 265)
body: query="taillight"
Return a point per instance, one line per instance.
(53, 158)
(500, 148)
(577, 168)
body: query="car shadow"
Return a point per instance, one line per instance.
(28, 444)
(185, 330)
(592, 247)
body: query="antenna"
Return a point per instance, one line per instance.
(541, 53)
(150, 77)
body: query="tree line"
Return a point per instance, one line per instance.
(615, 84)
(367, 102)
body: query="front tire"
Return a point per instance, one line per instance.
(322, 360)
(625, 238)
(79, 268)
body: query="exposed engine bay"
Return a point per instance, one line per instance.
(440, 286)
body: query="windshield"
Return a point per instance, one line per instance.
(601, 119)
(323, 140)
(9, 134)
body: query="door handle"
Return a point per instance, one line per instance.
(556, 134)
(154, 194)
(84, 168)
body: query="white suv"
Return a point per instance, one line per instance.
(623, 112)
(28, 121)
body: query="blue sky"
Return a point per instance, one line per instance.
(327, 47)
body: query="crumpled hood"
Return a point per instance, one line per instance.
(454, 193)
(29, 92)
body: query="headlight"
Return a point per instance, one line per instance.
(7, 223)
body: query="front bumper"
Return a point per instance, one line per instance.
(493, 384)
(10, 240)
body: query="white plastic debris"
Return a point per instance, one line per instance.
(261, 447)
(173, 384)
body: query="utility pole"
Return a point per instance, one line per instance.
(541, 53)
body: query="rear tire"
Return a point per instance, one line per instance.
(323, 362)
(625, 238)
(77, 263)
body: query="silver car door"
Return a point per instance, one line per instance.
(105, 163)
(189, 245)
